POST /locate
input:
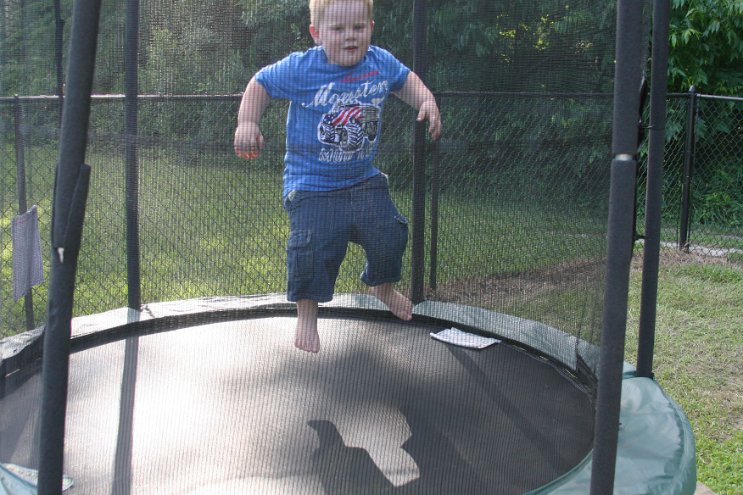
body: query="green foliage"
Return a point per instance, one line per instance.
(192, 47)
(213, 46)
(276, 28)
(481, 45)
(715, 202)
(472, 44)
(717, 195)
(706, 46)
(27, 63)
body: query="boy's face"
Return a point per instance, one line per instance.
(344, 32)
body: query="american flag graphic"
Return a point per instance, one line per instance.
(347, 114)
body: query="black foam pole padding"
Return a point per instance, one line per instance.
(654, 195)
(131, 83)
(70, 191)
(628, 76)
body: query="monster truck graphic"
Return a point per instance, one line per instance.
(346, 126)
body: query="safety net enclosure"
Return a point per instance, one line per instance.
(169, 363)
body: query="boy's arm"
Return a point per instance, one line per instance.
(248, 138)
(418, 96)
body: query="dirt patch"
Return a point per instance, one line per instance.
(674, 257)
(525, 286)
(531, 284)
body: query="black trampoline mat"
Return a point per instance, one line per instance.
(233, 407)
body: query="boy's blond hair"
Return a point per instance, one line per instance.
(317, 9)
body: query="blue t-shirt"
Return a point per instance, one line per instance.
(335, 115)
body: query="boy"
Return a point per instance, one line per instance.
(332, 191)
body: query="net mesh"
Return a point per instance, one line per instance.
(516, 189)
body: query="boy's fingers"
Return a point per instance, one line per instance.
(434, 122)
(248, 155)
(422, 113)
(249, 152)
(434, 129)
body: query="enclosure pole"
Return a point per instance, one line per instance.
(654, 194)
(20, 184)
(131, 91)
(628, 75)
(419, 166)
(70, 194)
(691, 119)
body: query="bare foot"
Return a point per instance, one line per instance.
(400, 305)
(307, 341)
(306, 337)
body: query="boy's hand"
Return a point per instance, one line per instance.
(248, 140)
(429, 110)
(417, 95)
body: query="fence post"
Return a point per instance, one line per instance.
(20, 181)
(691, 119)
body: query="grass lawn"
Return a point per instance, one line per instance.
(699, 355)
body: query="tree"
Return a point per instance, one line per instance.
(706, 46)
(507, 45)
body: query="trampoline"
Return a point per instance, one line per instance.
(181, 392)
(384, 408)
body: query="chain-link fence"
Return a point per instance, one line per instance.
(703, 175)
(28, 150)
(211, 224)
(199, 205)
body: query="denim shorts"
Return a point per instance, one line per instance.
(322, 225)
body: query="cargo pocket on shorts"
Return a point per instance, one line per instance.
(299, 257)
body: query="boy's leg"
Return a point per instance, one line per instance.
(315, 249)
(401, 306)
(306, 337)
(383, 233)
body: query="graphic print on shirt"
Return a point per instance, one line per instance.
(349, 126)
(348, 130)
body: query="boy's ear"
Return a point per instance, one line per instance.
(315, 34)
